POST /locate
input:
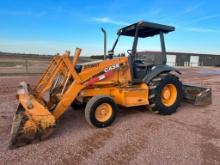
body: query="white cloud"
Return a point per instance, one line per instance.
(151, 13)
(10, 12)
(202, 30)
(192, 8)
(22, 13)
(203, 18)
(208, 17)
(155, 12)
(108, 20)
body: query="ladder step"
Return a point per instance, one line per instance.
(164, 74)
(157, 79)
(152, 96)
(152, 105)
(152, 87)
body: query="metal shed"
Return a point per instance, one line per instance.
(183, 59)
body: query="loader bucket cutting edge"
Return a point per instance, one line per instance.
(197, 95)
(17, 119)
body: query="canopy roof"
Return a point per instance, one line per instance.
(146, 29)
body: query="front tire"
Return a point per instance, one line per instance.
(76, 105)
(101, 111)
(165, 94)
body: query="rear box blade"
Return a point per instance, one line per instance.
(197, 95)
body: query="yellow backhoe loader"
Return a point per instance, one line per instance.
(102, 85)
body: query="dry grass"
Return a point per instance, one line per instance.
(13, 65)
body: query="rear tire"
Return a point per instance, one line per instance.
(101, 111)
(165, 94)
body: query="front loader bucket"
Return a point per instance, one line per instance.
(32, 122)
(197, 95)
(41, 106)
(25, 131)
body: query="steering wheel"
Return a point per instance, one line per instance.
(129, 51)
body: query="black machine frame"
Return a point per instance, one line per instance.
(144, 29)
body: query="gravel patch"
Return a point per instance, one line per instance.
(190, 136)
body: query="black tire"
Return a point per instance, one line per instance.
(155, 89)
(91, 107)
(76, 105)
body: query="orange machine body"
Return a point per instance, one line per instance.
(110, 77)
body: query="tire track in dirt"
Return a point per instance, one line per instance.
(88, 146)
(210, 152)
(9, 84)
(6, 90)
(134, 145)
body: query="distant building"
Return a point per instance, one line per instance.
(182, 59)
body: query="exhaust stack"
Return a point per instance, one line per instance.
(105, 42)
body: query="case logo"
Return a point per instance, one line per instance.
(113, 67)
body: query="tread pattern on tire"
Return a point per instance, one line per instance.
(89, 107)
(155, 84)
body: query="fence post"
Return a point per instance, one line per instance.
(26, 65)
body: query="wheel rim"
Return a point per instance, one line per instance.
(169, 95)
(103, 112)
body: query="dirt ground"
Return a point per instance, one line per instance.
(190, 136)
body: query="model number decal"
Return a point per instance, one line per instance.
(91, 65)
(114, 66)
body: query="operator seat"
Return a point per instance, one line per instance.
(141, 69)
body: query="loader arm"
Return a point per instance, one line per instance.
(86, 78)
(34, 118)
(63, 65)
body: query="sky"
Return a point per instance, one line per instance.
(52, 26)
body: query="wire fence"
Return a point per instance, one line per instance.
(23, 66)
(19, 66)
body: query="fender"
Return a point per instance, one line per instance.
(156, 70)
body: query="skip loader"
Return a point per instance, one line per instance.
(102, 85)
